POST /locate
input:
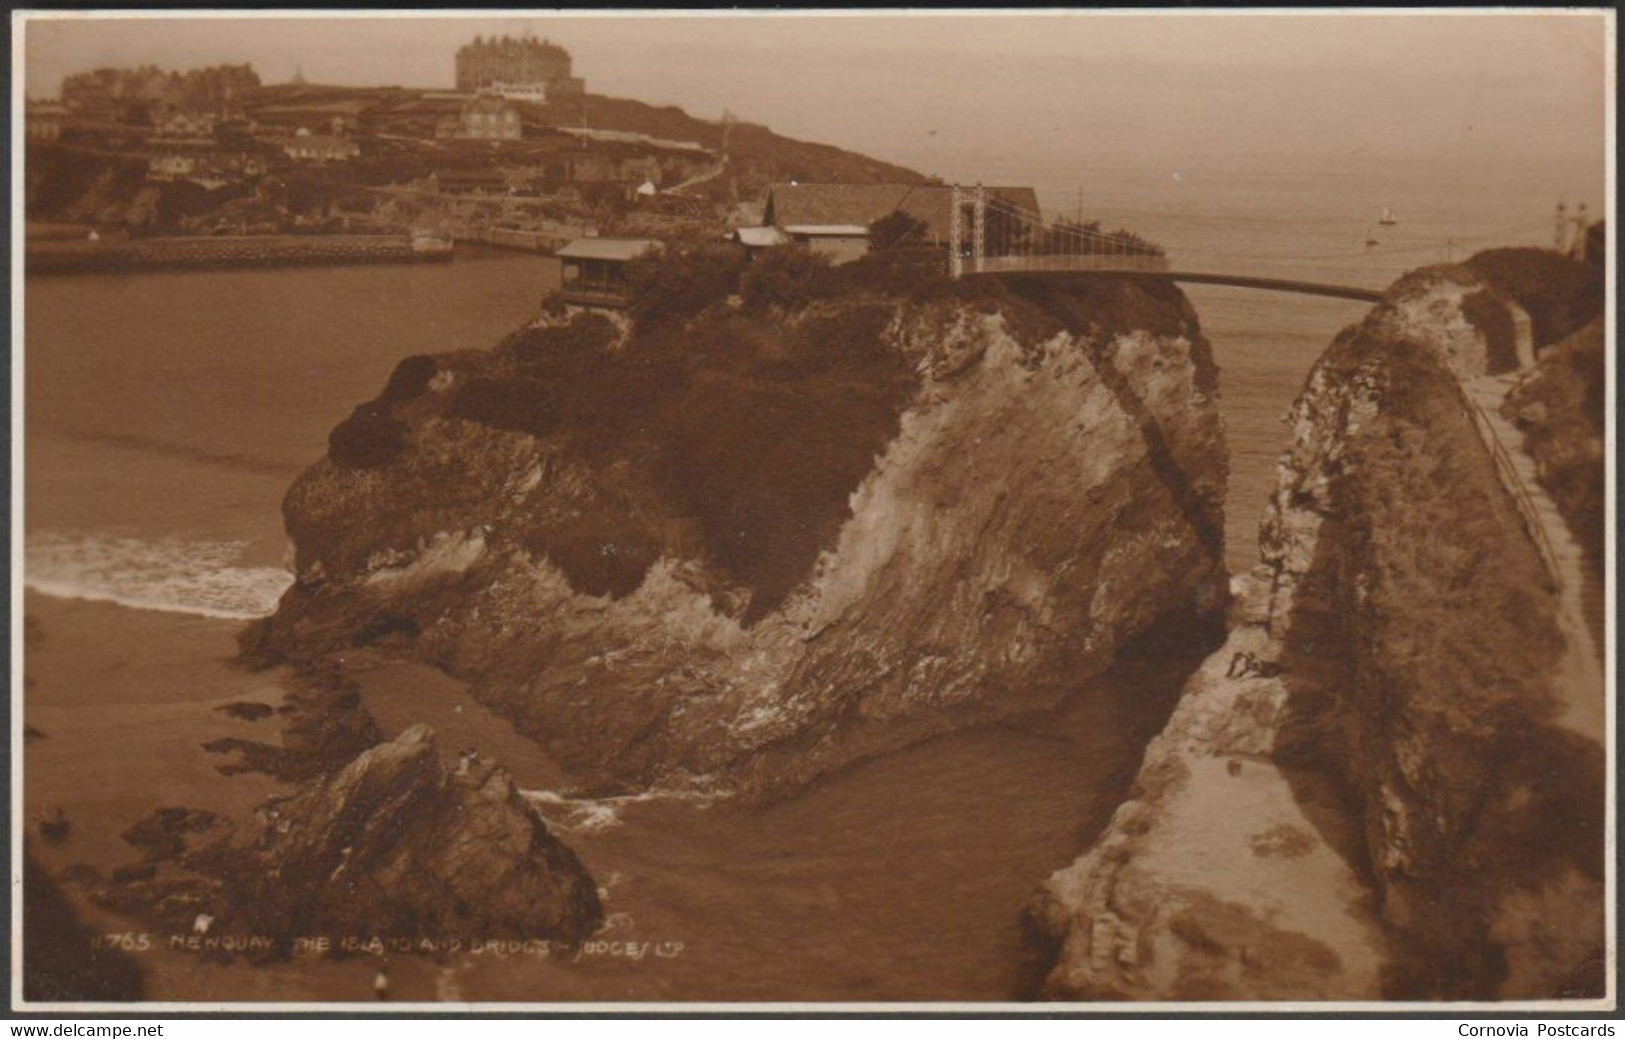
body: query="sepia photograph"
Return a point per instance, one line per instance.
(1082, 511)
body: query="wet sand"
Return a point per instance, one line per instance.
(902, 877)
(125, 700)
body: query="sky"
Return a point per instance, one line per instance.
(944, 92)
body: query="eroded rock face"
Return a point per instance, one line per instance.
(394, 844)
(1369, 792)
(1010, 490)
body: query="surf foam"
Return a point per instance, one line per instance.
(172, 575)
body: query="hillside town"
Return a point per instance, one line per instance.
(518, 154)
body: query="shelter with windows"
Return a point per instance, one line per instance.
(593, 270)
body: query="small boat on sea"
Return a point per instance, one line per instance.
(1388, 219)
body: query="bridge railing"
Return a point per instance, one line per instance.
(1513, 483)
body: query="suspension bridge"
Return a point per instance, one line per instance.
(990, 235)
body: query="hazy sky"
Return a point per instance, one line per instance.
(943, 92)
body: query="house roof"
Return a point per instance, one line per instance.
(759, 237)
(829, 230)
(607, 248)
(296, 107)
(862, 204)
(489, 103)
(427, 105)
(810, 204)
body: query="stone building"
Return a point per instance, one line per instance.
(483, 118)
(509, 64)
(305, 146)
(44, 120)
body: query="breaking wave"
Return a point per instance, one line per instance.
(590, 815)
(172, 575)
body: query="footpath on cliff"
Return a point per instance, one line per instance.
(1579, 583)
(1389, 783)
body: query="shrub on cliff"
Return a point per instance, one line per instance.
(1560, 294)
(681, 280)
(1560, 409)
(369, 438)
(847, 342)
(896, 230)
(517, 405)
(1485, 311)
(769, 441)
(910, 273)
(583, 334)
(768, 468)
(410, 378)
(62, 178)
(182, 200)
(788, 277)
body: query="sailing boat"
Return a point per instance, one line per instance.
(1388, 219)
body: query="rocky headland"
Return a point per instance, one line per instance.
(1386, 784)
(738, 541)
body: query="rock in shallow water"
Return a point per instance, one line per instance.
(396, 845)
(393, 845)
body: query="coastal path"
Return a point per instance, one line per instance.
(1579, 585)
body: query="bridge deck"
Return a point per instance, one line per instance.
(1157, 267)
(1239, 281)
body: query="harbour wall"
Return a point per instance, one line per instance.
(83, 256)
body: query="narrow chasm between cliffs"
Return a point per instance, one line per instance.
(1389, 782)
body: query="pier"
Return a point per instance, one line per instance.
(87, 256)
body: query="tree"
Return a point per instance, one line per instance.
(680, 280)
(786, 276)
(896, 230)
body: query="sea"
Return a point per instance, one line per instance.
(166, 413)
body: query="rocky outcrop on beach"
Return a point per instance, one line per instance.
(737, 544)
(1375, 789)
(394, 845)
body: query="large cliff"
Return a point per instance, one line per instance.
(1380, 786)
(746, 541)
